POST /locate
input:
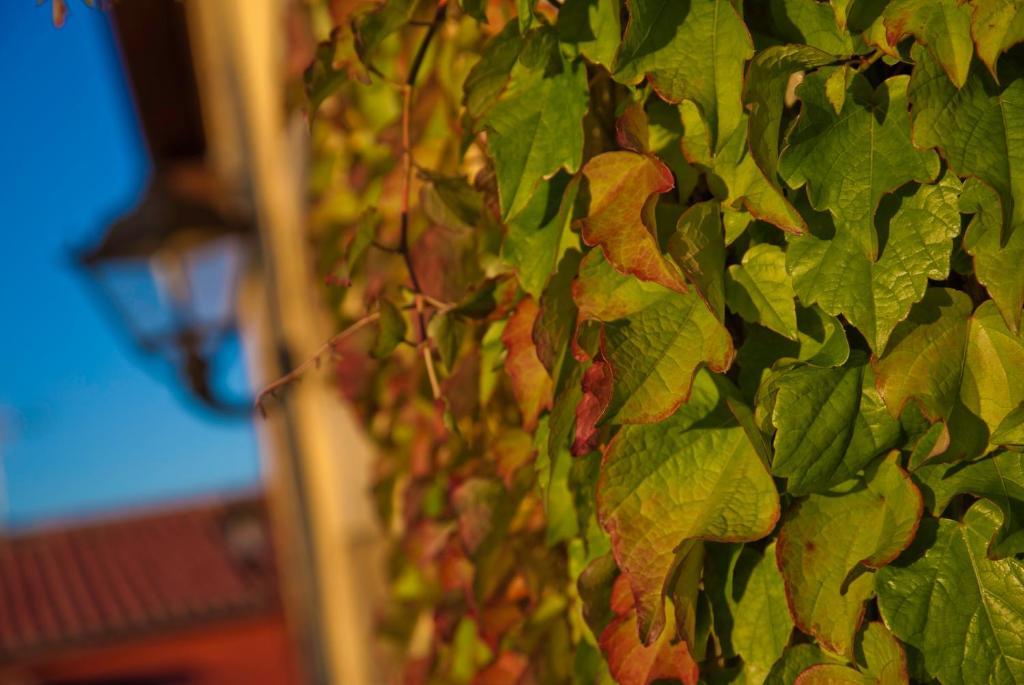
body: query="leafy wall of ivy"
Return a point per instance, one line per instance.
(689, 330)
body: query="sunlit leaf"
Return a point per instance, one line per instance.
(872, 137)
(654, 339)
(535, 127)
(617, 191)
(649, 510)
(829, 545)
(961, 367)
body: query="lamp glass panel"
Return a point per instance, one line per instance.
(212, 271)
(138, 298)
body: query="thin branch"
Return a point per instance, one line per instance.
(407, 165)
(419, 298)
(428, 356)
(417, 61)
(384, 248)
(874, 57)
(440, 306)
(314, 360)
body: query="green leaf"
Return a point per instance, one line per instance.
(996, 25)
(372, 27)
(593, 26)
(698, 247)
(489, 76)
(733, 175)
(794, 661)
(356, 248)
(1010, 432)
(553, 481)
(881, 661)
(595, 584)
(831, 541)
(829, 424)
(553, 328)
(963, 611)
(751, 616)
(833, 674)
(821, 341)
(872, 139)
(736, 222)
(944, 26)
(617, 193)
(684, 592)
(335, 63)
(996, 266)
(765, 94)
(961, 368)
(525, 11)
(836, 85)
(977, 128)
(390, 330)
(812, 23)
(539, 236)
(446, 331)
(761, 291)
(649, 508)
(655, 339)
(830, 268)
(451, 201)
(999, 478)
(857, 15)
(665, 130)
(881, 655)
(536, 127)
(475, 8)
(697, 54)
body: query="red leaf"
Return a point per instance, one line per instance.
(597, 394)
(508, 669)
(630, 662)
(621, 186)
(631, 129)
(531, 383)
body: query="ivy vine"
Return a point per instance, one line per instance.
(688, 330)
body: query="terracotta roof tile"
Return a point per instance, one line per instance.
(125, 577)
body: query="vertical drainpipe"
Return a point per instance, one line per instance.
(319, 460)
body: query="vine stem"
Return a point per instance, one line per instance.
(407, 165)
(874, 57)
(313, 360)
(419, 297)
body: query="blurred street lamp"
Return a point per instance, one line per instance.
(170, 269)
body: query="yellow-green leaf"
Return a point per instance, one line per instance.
(695, 52)
(655, 339)
(961, 368)
(693, 476)
(536, 127)
(871, 136)
(830, 544)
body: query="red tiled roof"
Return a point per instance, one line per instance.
(126, 577)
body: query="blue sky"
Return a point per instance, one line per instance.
(86, 425)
